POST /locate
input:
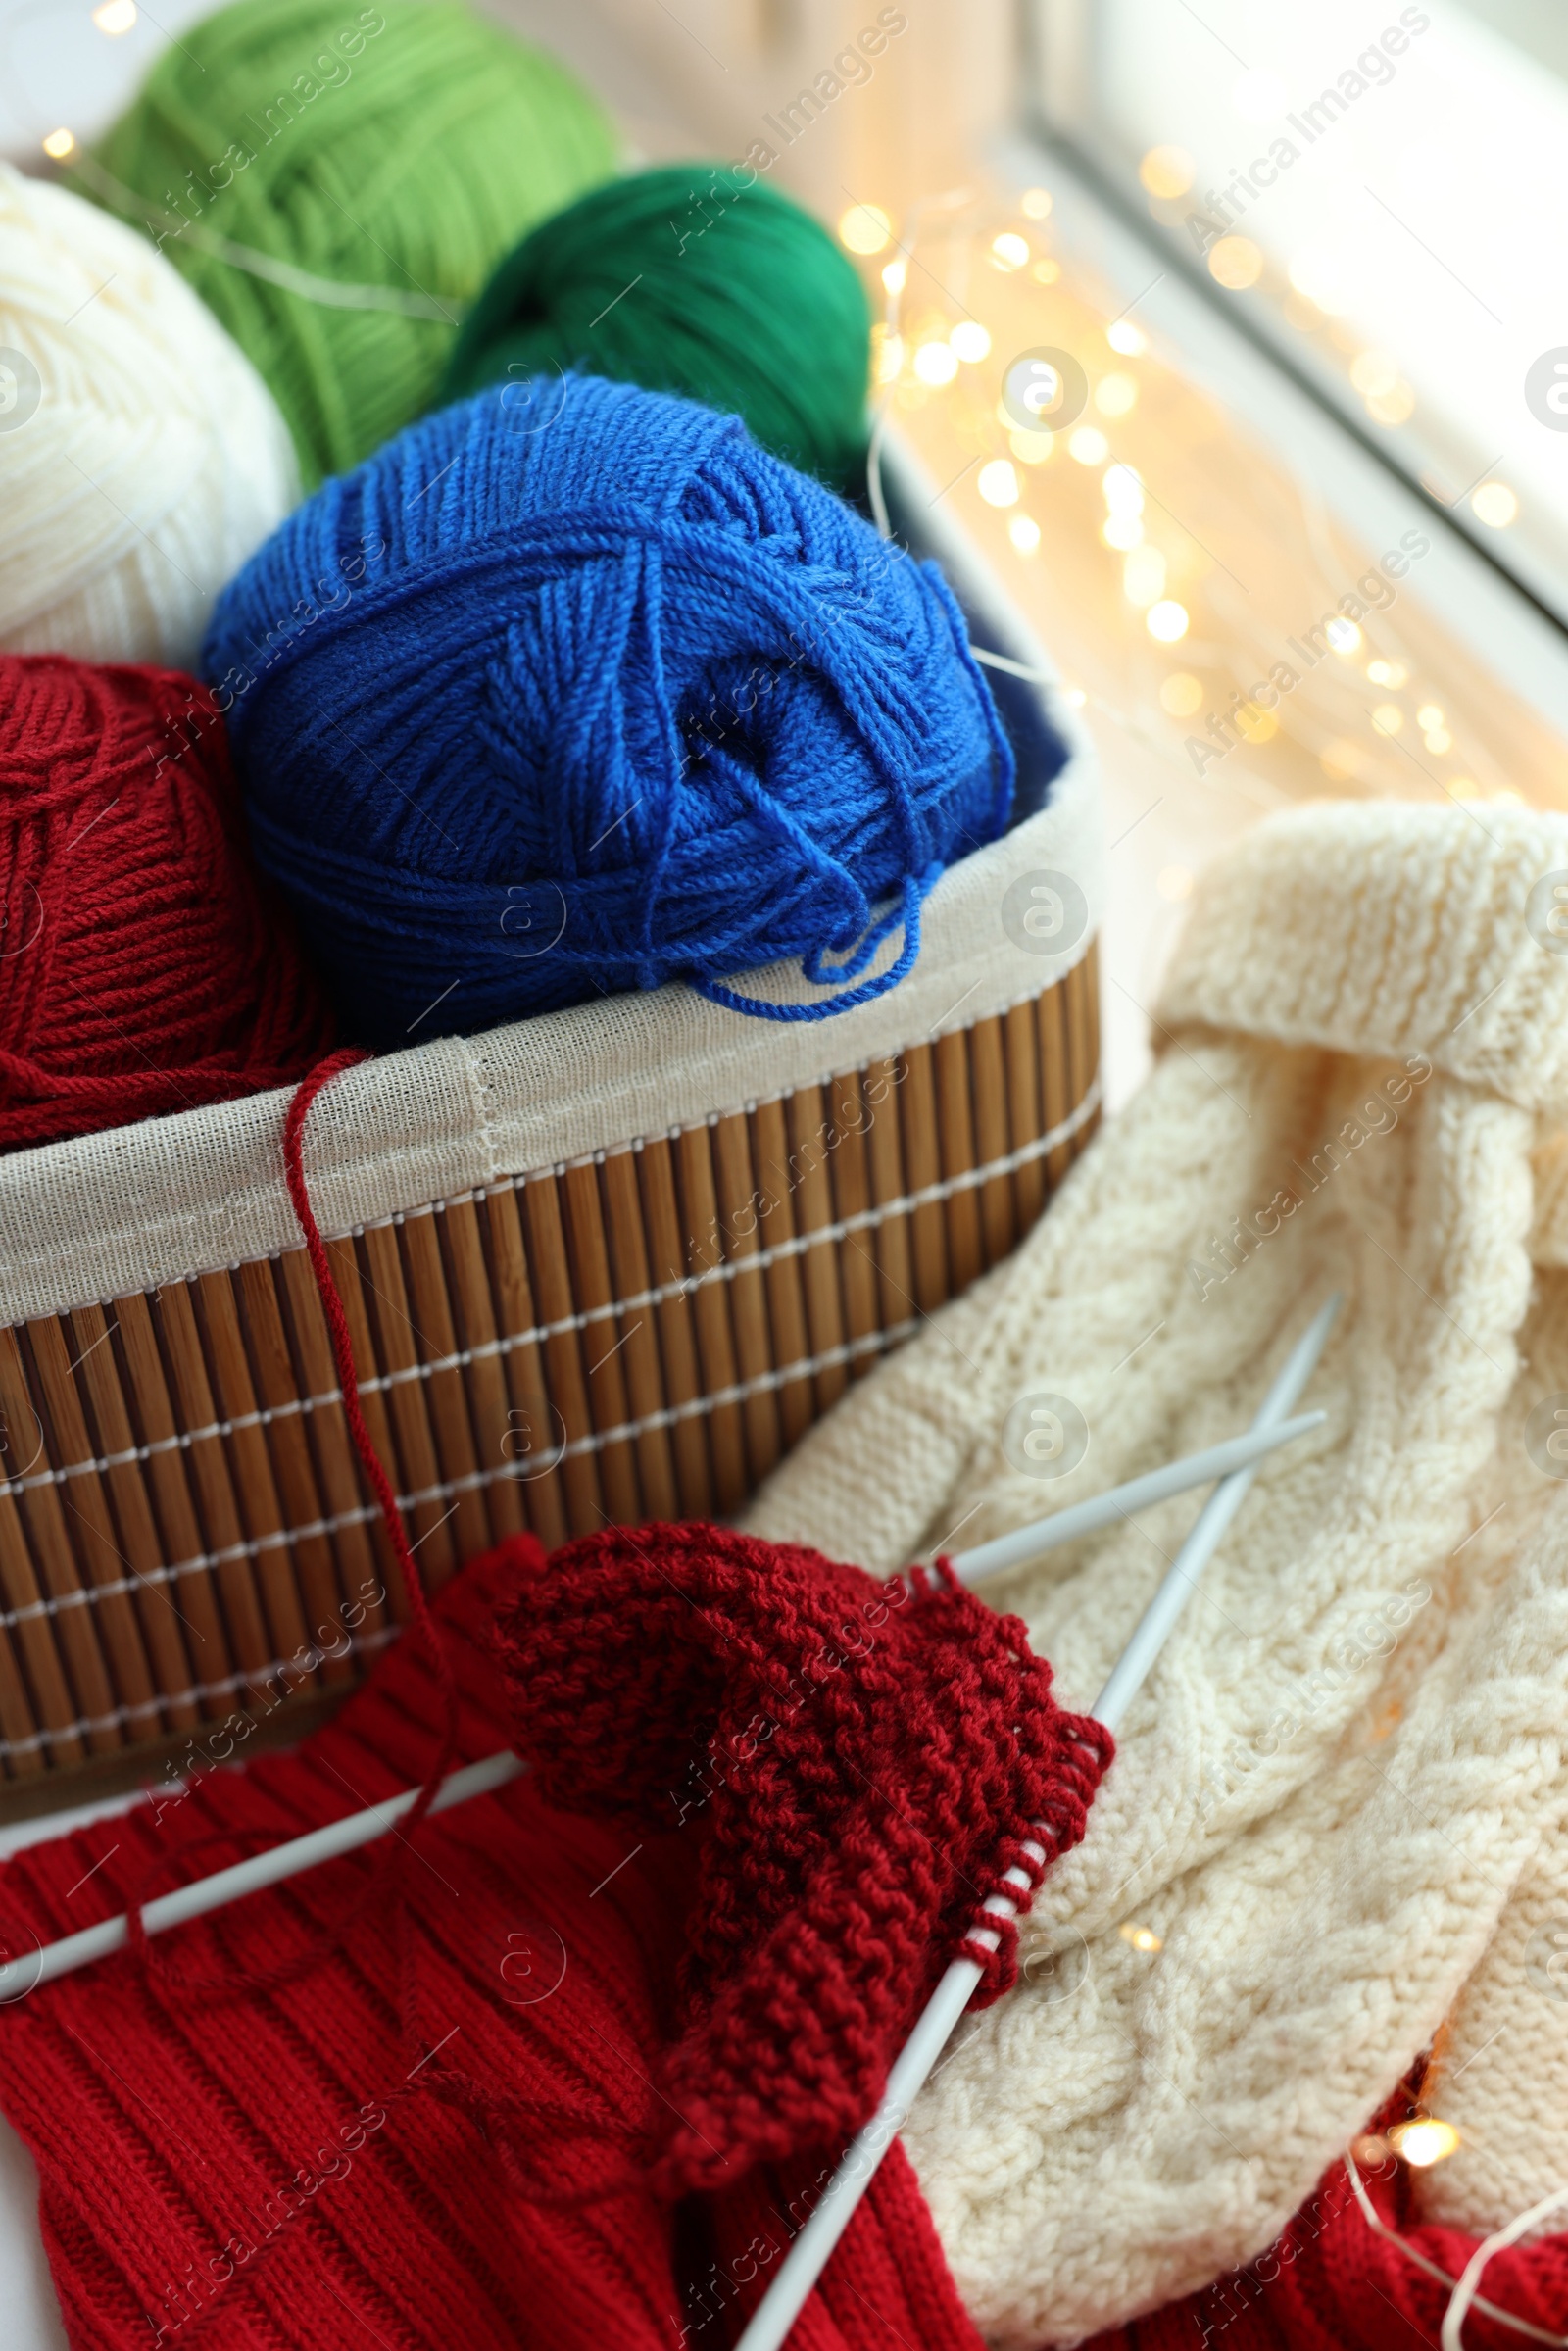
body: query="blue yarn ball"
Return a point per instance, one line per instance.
(573, 688)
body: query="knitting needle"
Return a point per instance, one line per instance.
(1104, 1509)
(808, 2257)
(357, 1828)
(25, 1974)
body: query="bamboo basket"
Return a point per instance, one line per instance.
(605, 1266)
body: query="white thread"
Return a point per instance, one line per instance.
(1444, 2276)
(1464, 2292)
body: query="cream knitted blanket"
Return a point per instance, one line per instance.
(1334, 1831)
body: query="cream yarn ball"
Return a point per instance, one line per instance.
(142, 459)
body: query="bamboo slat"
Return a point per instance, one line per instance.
(636, 1335)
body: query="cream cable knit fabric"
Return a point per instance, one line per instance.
(1334, 1802)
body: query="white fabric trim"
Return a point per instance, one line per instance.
(104, 1215)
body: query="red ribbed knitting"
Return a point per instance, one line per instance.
(144, 965)
(1332, 2283)
(865, 1762)
(308, 2166)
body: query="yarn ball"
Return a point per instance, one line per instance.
(573, 688)
(146, 968)
(696, 280)
(338, 186)
(141, 457)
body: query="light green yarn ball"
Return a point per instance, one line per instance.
(405, 146)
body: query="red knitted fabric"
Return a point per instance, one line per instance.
(144, 965)
(866, 1760)
(297, 2167)
(1332, 2283)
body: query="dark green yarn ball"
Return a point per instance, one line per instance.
(697, 279)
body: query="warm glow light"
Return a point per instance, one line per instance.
(1143, 1939)
(1009, 251)
(1388, 673)
(1175, 883)
(1181, 694)
(1340, 759)
(1373, 371)
(889, 357)
(1387, 719)
(970, 341)
(1257, 727)
(1123, 337)
(1124, 492)
(1393, 406)
(1047, 272)
(1143, 576)
(1167, 623)
(864, 228)
(1031, 448)
(997, 483)
(1167, 171)
(1494, 502)
(115, 17)
(895, 275)
(1343, 635)
(936, 363)
(1114, 395)
(1035, 203)
(1089, 446)
(58, 144)
(1314, 275)
(1428, 715)
(1074, 695)
(1024, 532)
(1424, 2141)
(1236, 263)
(1437, 740)
(1123, 532)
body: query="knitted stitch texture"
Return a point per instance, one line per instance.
(441, 2133)
(1336, 1806)
(145, 966)
(870, 1759)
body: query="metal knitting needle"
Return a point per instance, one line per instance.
(1104, 1509)
(357, 1829)
(23, 1975)
(808, 2257)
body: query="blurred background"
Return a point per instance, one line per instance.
(1236, 336)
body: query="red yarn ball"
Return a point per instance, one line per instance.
(145, 966)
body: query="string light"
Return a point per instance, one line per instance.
(115, 17)
(997, 483)
(1373, 371)
(1116, 395)
(1024, 532)
(1123, 337)
(936, 363)
(1167, 171)
(1343, 635)
(970, 341)
(1046, 272)
(1009, 251)
(895, 274)
(1035, 203)
(1089, 446)
(1387, 719)
(1424, 2142)
(1438, 740)
(864, 228)
(1236, 263)
(1389, 673)
(1181, 694)
(1167, 623)
(1493, 504)
(889, 350)
(1123, 532)
(1031, 448)
(58, 144)
(1393, 406)
(1142, 1939)
(1124, 492)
